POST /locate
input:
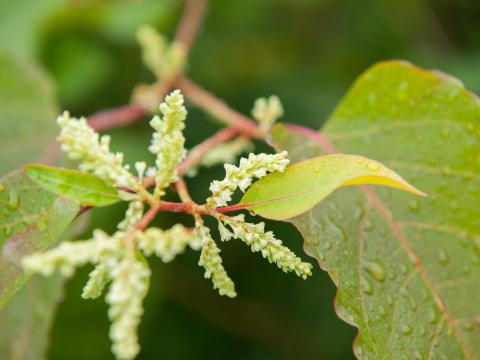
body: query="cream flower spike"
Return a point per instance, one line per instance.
(255, 166)
(81, 142)
(212, 262)
(168, 141)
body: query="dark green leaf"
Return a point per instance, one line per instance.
(407, 269)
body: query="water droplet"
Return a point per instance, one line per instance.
(368, 226)
(366, 286)
(414, 205)
(327, 245)
(7, 232)
(417, 355)
(13, 200)
(375, 268)
(373, 166)
(406, 329)
(2, 187)
(432, 315)
(470, 127)
(442, 256)
(422, 330)
(382, 311)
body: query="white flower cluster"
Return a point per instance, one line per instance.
(69, 255)
(161, 58)
(167, 244)
(115, 260)
(267, 111)
(129, 287)
(81, 142)
(212, 262)
(255, 166)
(264, 242)
(168, 141)
(132, 216)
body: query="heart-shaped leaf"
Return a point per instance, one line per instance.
(407, 269)
(303, 185)
(31, 220)
(83, 187)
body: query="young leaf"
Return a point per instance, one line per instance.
(83, 187)
(407, 269)
(31, 220)
(285, 195)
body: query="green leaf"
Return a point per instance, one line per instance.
(31, 220)
(83, 187)
(303, 185)
(407, 269)
(27, 113)
(25, 321)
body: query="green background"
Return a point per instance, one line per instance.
(307, 52)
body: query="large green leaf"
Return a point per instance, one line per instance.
(82, 187)
(283, 195)
(31, 219)
(27, 113)
(407, 269)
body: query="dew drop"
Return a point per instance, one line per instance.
(368, 226)
(442, 256)
(422, 331)
(467, 326)
(7, 232)
(375, 268)
(414, 205)
(406, 329)
(13, 200)
(2, 187)
(327, 245)
(373, 166)
(417, 355)
(366, 286)
(432, 316)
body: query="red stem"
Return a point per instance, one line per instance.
(218, 108)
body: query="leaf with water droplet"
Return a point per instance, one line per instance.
(39, 219)
(303, 185)
(430, 247)
(82, 187)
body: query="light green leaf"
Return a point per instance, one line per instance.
(407, 269)
(303, 185)
(31, 220)
(83, 187)
(27, 113)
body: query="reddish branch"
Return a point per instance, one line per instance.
(218, 108)
(190, 22)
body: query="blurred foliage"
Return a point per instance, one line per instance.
(305, 51)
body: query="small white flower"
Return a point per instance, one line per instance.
(97, 281)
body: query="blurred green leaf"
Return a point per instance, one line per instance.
(31, 220)
(407, 270)
(82, 187)
(27, 112)
(303, 185)
(25, 321)
(21, 22)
